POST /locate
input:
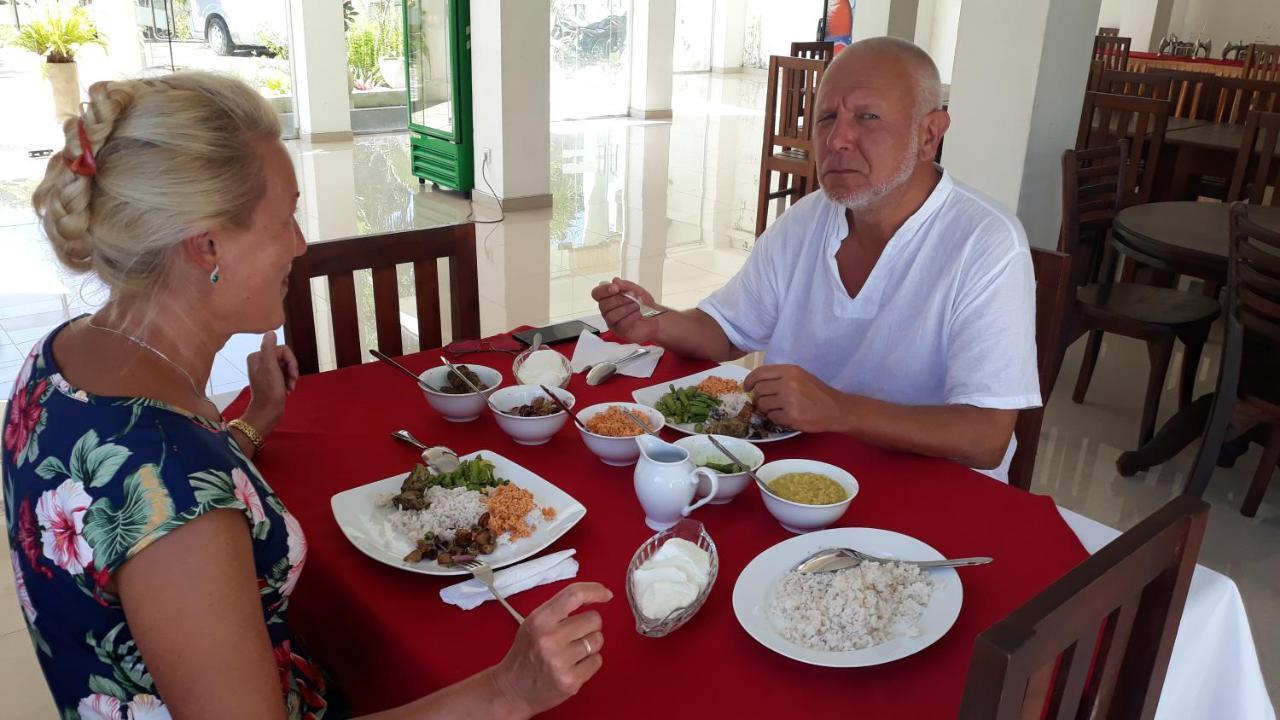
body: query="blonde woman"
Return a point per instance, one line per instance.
(153, 563)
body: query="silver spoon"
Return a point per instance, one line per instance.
(834, 559)
(401, 368)
(605, 370)
(643, 426)
(406, 436)
(556, 399)
(734, 458)
(454, 369)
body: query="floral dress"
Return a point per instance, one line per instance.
(90, 482)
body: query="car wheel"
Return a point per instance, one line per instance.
(218, 37)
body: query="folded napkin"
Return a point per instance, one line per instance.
(592, 350)
(511, 580)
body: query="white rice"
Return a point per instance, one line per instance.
(732, 403)
(451, 509)
(852, 609)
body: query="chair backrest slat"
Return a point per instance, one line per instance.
(823, 51)
(1088, 209)
(1053, 284)
(1137, 84)
(1148, 568)
(1106, 118)
(792, 93)
(1109, 31)
(1256, 166)
(1253, 283)
(1233, 98)
(1112, 51)
(1262, 62)
(338, 260)
(1189, 92)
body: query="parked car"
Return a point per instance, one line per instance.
(227, 25)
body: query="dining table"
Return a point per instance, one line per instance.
(386, 637)
(1200, 149)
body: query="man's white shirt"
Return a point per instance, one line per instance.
(946, 317)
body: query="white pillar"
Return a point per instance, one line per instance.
(651, 33)
(511, 99)
(1146, 22)
(317, 45)
(924, 23)
(874, 18)
(727, 30)
(1010, 121)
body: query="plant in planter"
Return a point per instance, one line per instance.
(57, 37)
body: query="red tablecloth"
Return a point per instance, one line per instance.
(387, 638)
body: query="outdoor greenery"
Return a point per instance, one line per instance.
(369, 39)
(275, 45)
(60, 34)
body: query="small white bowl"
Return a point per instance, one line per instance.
(617, 451)
(565, 367)
(458, 408)
(529, 430)
(799, 517)
(730, 485)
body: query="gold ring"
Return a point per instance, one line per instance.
(588, 644)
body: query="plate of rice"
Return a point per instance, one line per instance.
(712, 402)
(867, 615)
(527, 513)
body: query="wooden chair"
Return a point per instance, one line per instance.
(1189, 92)
(788, 144)
(1233, 98)
(1112, 51)
(1247, 398)
(1096, 643)
(1106, 119)
(1109, 32)
(1257, 167)
(1262, 62)
(1093, 183)
(1135, 84)
(823, 51)
(339, 259)
(1053, 288)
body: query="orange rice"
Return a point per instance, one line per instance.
(719, 386)
(613, 422)
(548, 513)
(508, 505)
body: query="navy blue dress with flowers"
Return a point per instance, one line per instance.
(90, 482)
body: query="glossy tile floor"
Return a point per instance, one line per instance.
(671, 205)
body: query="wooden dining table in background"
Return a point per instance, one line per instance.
(1203, 149)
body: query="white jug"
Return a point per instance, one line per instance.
(665, 481)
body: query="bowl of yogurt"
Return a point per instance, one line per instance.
(670, 577)
(543, 366)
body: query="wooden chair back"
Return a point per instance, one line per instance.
(1257, 167)
(1136, 84)
(1253, 282)
(1262, 62)
(1092, 194)
(1109, 32)
(337, 260)
(823, 51)
(1235, 97)
(1096, 643)
(1053, 291)
(792, 89)
(1108, 118)
(1112, 51)
(1189, 92)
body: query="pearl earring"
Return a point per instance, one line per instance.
(213, 276)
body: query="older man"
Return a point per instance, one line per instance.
(897, 306)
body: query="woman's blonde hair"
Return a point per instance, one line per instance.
(176, 156)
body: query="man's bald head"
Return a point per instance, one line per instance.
(914, 62)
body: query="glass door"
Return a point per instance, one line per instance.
(590, 58)
(429, 51)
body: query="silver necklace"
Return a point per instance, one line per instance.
(146, 346)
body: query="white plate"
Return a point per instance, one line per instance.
(650, 396)
(753, 593)
(365, 521)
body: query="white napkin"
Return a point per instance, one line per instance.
(511, 580)
(591, 350)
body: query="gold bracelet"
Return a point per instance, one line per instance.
(254, 436)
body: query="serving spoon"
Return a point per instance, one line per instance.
(605, 370)
(833, 559)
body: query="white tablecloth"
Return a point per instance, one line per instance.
(1214, 670)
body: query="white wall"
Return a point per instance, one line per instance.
(924, 23)
(1111, 14)
(942, 41)
(1228, 21)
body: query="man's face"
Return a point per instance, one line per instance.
(866, 138)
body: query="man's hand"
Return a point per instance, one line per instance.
(790, 396)
(622, 313)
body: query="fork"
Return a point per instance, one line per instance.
(484, 574)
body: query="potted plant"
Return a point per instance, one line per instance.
(57, 37)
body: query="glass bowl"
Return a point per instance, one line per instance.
(686, 529)
(524, 355)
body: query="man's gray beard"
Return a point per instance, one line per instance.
(866, 198)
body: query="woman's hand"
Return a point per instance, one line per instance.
(555, 652)
(273, 374)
